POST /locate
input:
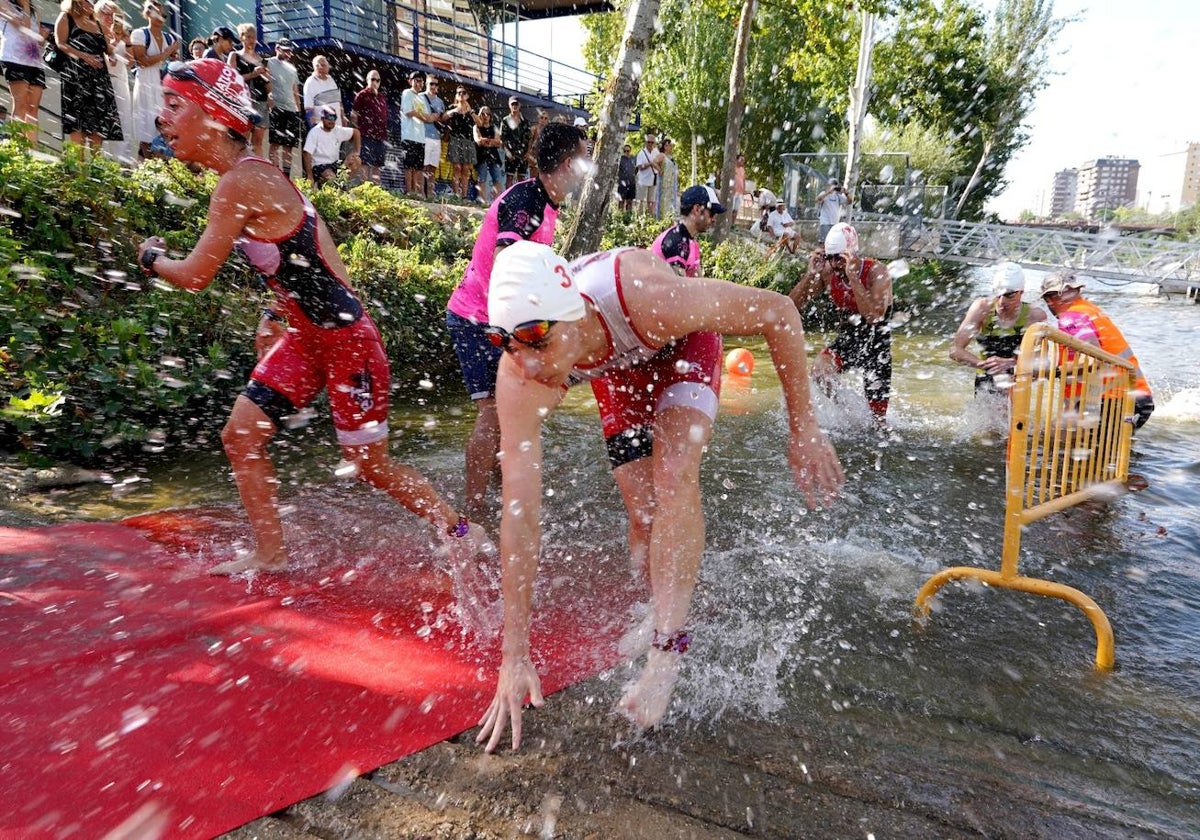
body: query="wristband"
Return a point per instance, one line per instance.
(147, 259)
(460, 529)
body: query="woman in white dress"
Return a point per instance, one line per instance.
(153, 47)
(112, 24)
(668, 182)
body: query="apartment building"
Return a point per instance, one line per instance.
(1063, 191)
(1189, 191)
(1104, 184)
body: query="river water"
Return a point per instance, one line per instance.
(805, 617)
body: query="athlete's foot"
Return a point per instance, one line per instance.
(645, 702)
(251, 563)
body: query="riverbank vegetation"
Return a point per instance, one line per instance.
(100, 363)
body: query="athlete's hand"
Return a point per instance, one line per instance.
(816, 262)
(269, 331)
(853, 265)
(996, 364)
(516, 681)
(815, 467)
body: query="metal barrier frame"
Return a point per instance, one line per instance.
(1070, 434)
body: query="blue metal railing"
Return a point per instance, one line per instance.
(399, 29)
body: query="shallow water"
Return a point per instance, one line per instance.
(802, 615)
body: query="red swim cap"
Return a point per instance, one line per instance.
(216, 87)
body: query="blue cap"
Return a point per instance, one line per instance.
(702, 196)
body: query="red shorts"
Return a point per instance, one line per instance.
(687, 373)
(349, 361)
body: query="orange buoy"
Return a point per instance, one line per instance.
(739, 361)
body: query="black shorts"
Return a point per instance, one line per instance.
(867, 347)
(14, 72)
(514, 165)
(413, 154)
(320, 169)
(374, 152)
(285, 128)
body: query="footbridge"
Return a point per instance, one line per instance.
(1171, 265)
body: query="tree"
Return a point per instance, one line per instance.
(737, 109)
(620, 96)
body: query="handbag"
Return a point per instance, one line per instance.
(54, 58)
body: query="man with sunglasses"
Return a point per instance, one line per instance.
(616, 316)
(861, 291)
(527, 210)
(998, 323)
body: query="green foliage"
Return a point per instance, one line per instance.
(96, 360)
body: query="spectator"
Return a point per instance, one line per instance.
(159, 148)
(739, 183)
(783, 228)
(322, 148)
(582, 125)
(861, 291)
(89, 108)
(221, 43)
(415, 109)
(460, 124)
(1084, 321)
(668, 181)
(998, 323)
(487, 153)
(257, 75)
(515, 134)
(433, 136)
(647, 178)
(153, 47)
(535, 133)
(287, 125)
(21, 52)
(112, 24)
(627, 179)
(829, 207)
(320, 89)
(197, 48)
(369, 114)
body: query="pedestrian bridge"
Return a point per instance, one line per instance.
(1171, 265)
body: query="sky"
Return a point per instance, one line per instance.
(1120, 85)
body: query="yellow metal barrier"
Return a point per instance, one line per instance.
(1069, 439)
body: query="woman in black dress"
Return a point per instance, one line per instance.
(89, 108)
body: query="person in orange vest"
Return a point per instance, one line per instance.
(1083, 320)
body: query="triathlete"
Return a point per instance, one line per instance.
(610, 315)
(329, 342)
(861, 290)
(998, 323)
(526, 210)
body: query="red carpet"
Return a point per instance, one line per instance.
(131, 683)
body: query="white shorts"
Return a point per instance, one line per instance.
(433, 152)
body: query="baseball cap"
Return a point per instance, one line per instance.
(527, 284)
(417, 74)
(513, 99)
(224, 32)
(580, 122)
(284, 44)
(1007, 277)
(703, 196)
(328, 112)
(840, 239)
(216, 87)
(1055, 283)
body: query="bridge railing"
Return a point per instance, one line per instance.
(1070, 433)
(1100, 255)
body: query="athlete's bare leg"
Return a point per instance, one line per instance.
(481, 456)
(245, 436)
(675, 550)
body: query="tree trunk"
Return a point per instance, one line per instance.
(860, 96)
(620, 96)
(737, 110)
(975, 177)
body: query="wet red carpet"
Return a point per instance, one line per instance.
(132, 685)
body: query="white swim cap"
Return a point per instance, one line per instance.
(1007, 277)
(531, 283)
(840, 239)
